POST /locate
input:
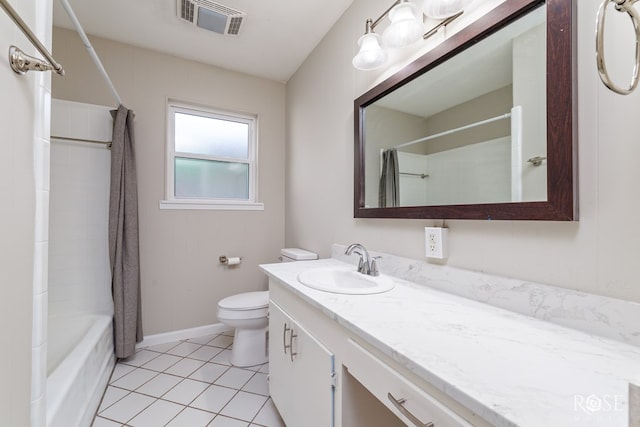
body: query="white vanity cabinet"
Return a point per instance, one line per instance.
(349, 385)
(411, 404)
(301, 372)
(420, 357)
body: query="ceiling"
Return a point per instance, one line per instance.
(451, 83)
(275, 38)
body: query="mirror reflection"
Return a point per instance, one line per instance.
(470, 131)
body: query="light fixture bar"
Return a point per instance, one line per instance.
(406, 27)
(384, 14)
(426, 35)
(441, 24)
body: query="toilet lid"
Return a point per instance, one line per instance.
(246, 301)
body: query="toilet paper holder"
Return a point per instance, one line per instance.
(229, 260)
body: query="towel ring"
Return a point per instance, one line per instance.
(620, 6)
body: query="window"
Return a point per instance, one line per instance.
(211, 159)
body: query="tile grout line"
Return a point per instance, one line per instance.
(259, 410)
(233, 397)
(97, 411)
(254, 371)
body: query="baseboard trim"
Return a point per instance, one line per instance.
(183, 334)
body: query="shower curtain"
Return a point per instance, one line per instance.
(123, 236)
(389, 188)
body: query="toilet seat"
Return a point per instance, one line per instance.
(249, 305)
(245, 301)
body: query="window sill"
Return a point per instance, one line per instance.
(210, 205)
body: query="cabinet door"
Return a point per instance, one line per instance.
(301, 373)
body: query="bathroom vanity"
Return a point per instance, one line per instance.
(418, 356)
(305, 381)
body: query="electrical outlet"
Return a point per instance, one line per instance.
(436, 242)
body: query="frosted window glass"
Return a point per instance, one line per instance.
(211, 136)
(209, 179)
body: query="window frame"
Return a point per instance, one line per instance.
(173, 202)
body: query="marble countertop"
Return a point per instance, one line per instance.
(511, 369)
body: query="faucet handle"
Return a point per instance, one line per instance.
(374, 266)
(361, 267)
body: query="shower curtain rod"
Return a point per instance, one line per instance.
(92, 53)
(92, 141)
(421, 175)
(450, 131)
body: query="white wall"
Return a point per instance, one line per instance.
(380, 134)
(475, 173)
(413, 188)
(24, 184)
(79, 270)
(182, 280)
(598, 254)
(529, 75)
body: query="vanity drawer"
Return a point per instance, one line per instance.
(414, 406)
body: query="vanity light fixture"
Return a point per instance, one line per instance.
(406, 25)
(441, 9)
(371, 54)
(405, 29)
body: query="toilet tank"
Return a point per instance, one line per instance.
(296, 254)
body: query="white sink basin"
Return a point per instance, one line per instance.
(344, 280)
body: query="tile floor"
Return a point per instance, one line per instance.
(187, 384)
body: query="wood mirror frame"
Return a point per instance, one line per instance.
(561, 204)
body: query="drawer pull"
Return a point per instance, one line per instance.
(399, 403)
(284, 338)
(291, 337)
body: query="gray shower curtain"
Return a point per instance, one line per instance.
(389, 188)
(123, 236)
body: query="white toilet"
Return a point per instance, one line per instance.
(248, 314)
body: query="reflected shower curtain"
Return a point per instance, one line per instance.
(123, 236)
(389, 188)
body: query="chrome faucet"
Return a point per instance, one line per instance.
(367, 264)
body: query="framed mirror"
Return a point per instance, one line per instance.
(480, 127)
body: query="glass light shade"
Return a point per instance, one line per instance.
(406, 26)
(441, 9)
(371, 55)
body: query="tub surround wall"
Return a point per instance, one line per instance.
(80, 354)
(24, 184)
(598, 254)
(182, 280)
(79, 270)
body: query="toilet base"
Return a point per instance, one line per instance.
(249, 347)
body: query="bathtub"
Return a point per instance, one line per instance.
(78, 378)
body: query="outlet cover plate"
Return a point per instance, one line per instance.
(436, 242)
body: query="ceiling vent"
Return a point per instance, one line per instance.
(211, 16)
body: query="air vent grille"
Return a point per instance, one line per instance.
(234, 25)
(186, 10)
(218, 7)
(212, 16)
